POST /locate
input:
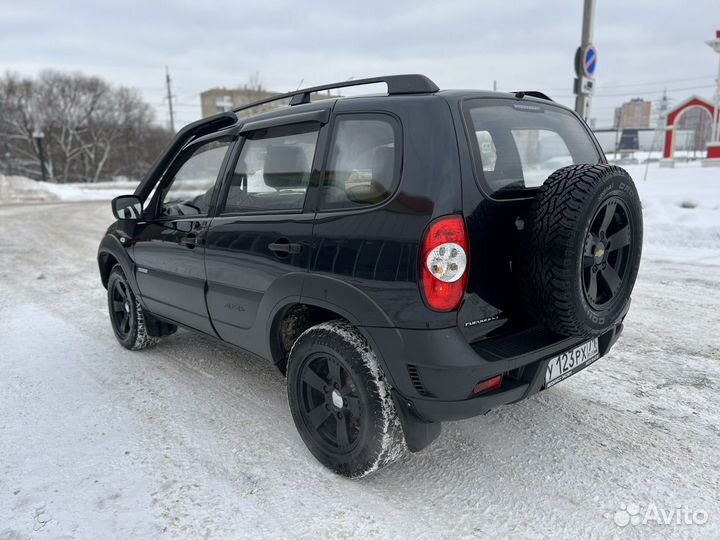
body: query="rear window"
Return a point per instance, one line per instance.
(364, 165)
(518, 144)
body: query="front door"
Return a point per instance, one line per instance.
(169, 248)
(262, 232)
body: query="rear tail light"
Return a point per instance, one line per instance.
(488, 384)
(443, 263)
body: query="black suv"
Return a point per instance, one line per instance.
(404, 258)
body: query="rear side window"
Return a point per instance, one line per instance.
(517, 145)
(364, 161)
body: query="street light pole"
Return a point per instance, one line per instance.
(38, 135)
(713, 147)
(8, 159)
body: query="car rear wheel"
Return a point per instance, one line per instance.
(127, 317)
(340, 401)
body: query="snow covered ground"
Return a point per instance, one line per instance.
(193, 439)
(16, 189)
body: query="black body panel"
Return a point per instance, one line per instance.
(241, 268)
(170, 270)
(375, 249)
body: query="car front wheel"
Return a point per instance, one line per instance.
(127, 317)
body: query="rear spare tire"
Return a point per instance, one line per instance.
(581, 249)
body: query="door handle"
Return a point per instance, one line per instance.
(194, 237)
(189, 241)
(284, 247)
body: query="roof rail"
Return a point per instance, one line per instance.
(532, 93)
(397, 84)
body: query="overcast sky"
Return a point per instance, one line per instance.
(643, 45)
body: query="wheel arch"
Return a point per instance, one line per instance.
(110, 253)
(323, 298)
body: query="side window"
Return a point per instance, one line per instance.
(191, 187)
(541, 153)
(364, 162)
(273, 170)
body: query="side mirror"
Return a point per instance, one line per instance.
(127, 207)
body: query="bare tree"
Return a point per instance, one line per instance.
(17, 124)
(92, 131)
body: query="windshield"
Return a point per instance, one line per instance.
(518, 144)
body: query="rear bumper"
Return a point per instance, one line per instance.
(434, 371)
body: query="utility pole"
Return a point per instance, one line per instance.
(715, 44)
(585, 61)
(713, 147)
(169, 98)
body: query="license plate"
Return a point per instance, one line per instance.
(569, 362)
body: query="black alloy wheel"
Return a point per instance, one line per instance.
(121, 309)
(341, 402)
(330, 403)
(134, 328)
(607, 252)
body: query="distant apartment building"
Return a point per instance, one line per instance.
(633, 114)
(217, 100)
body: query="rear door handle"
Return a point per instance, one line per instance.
(284, 247)
(189, 241)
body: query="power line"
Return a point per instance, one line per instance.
(657, 91)
(686, 79)
(637, 93)
(612, 86)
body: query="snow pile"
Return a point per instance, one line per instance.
(19, 189)
(681, 212)
(688, 195)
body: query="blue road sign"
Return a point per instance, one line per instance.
(589, 61)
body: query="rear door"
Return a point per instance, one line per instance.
(262, 230)
(514, 146)
(168, 248)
